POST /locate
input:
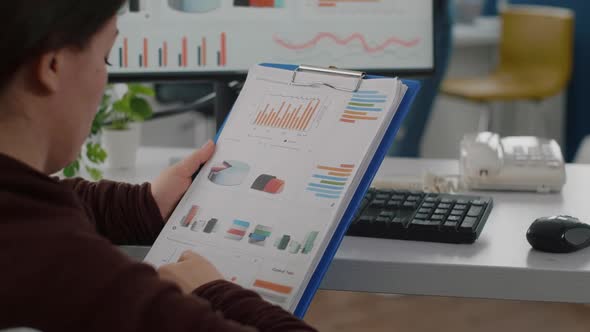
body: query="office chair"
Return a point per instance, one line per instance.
(536, 60)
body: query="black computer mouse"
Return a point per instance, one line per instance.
(558, 234)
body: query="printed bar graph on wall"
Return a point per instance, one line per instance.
(364, 105)
(329, 181)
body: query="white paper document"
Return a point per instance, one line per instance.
(287, 164)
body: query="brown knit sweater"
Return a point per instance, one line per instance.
(59, 269)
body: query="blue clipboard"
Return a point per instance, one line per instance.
(388, 138)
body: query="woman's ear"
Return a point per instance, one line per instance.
(48, 69)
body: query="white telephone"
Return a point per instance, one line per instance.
(489, 162)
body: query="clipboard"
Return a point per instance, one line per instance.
(378, 157)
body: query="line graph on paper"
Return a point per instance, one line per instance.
(287, 113)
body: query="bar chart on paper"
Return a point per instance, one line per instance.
(364, 105)
(328, 182)
(287, 113)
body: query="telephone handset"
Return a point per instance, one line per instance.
(523, 163)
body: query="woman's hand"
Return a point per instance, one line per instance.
(191, 272)
(175, 180)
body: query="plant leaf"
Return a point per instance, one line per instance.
(122, 106)
(99, 120)
(72, 169)
(95, 173)
(138, 89)
(140, 109)
(96, 153)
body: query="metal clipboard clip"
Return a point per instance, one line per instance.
(329, 71)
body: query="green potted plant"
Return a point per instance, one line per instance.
(121, 133)
(122, 107)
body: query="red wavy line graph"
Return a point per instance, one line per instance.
(345, 41)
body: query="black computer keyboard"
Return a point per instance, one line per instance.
(420, 216)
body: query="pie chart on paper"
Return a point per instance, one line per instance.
(229, 173)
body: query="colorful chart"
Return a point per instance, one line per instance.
(294, 247)
(260, 3)
(364, 106)
(238, 230)
(309, 242)
(289, 113)
(329, 182)
(229, 173)
(188, 218)
(195, 6)
(210, 226)
(271, 291)
(192, 52)
(268, 184)
(260, 234)
(282, 242)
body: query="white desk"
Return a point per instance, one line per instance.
(499, 265)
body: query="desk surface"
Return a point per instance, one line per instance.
(500, 264)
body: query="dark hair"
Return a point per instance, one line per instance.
(29, 28)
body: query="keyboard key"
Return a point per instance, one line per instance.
(418, 222)
(430, 200)
(457, 212)
(389, 214)
(423, 210)
(462, 201)
(460, 207)
(437, 217)
(433, 223)
(468, 224)
(382, 196)
(441, 211)
(450, 225)
(398, 197)
(421, 216)
(474, 211)
(425, 224)
(410, 204)
(454, 218)
(427, 205)
(446, 201)
(444, 206)
(478, 203)
(378, 203)
(413, 198)
(394, 204)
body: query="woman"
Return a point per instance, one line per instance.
(60, 269)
